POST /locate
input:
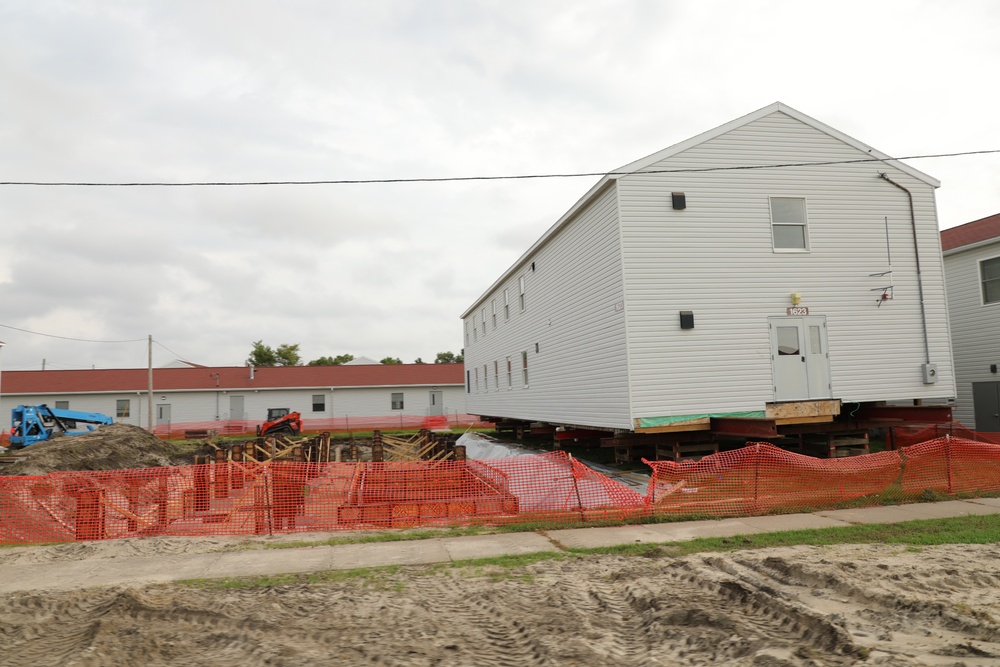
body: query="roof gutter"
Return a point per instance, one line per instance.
(916, 255)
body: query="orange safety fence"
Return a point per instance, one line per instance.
(260, 498)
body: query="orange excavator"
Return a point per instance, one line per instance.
(280, 421)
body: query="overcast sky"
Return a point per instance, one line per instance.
(317, 89)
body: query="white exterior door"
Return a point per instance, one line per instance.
(236, 408)
(801, 363)
(163, 413)
(437, 403)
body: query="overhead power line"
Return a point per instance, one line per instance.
(447, 179)
(81, 340)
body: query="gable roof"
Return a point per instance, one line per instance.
(971, 233)
(670, 151)
(230, 378)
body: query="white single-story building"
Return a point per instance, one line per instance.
(972, 273)
(773, 268)
(235, 399)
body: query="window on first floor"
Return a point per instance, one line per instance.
(496, 375)
(989, 271)
(319, 403)
(122, 407)
(397, 400)
(510, 383)
(62, 405)
(788, 223)
(524, 368)
(468, 382)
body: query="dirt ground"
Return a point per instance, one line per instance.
(111, 447)
(797, 606)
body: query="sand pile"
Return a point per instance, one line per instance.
(111, 447)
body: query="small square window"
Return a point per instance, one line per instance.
(788, 223)
(989, 271)
(397, 400)
(122, 407)
(319, 403)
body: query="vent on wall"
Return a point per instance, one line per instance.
(678, 200)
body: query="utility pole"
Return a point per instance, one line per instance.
(1, 370)
(149, 387)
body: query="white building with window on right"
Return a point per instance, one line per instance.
(972, 272)
(770, 272)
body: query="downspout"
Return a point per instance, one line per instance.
(916, 255)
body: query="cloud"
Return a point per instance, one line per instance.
(310, 90)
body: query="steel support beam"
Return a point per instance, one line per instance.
(749, 428)
(918, 414)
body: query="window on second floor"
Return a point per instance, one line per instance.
(789, 229)
(989, 272)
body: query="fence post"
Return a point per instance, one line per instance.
(756, 479)
(576, 489)
(947, 458)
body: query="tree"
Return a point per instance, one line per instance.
(391, 360)
(332, 361)
(449, 358)
(264, 355)
(418, 360)
(288, 355)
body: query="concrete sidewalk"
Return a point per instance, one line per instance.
(139, 570)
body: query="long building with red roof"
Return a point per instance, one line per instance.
(233, 399)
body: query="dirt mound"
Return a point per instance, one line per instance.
(111, 447)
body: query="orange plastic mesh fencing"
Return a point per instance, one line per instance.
(259, 498)
(762, 478)
(254, 498)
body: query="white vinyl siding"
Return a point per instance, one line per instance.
(580, 376)
(716, 258)
(974, 325)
